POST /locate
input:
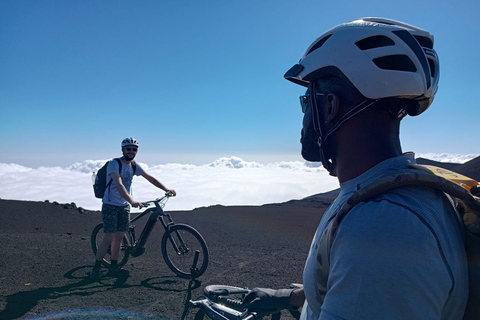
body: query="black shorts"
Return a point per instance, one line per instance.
(115, 218)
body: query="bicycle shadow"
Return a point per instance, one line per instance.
(21, 303)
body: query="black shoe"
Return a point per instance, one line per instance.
(118, 273)
(95, 274)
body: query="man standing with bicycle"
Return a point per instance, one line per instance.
(401, 254)
(116, 206)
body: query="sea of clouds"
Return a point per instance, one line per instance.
(226, 181)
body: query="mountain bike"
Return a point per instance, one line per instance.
(222, 302)
(180, 244)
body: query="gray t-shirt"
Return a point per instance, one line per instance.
(398, 256)
(112, 196)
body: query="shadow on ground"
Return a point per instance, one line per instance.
(21, 303)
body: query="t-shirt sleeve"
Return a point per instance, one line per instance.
(139, 171)
(385, 264)
(112, 167)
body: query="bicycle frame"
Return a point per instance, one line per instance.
(157, 213)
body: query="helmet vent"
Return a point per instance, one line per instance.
(398, 62)
(433, 72)
(318, 44)
(425, 42)
(374, 42)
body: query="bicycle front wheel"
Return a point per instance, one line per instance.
(179, 244)
(96, 240)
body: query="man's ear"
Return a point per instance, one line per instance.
(332, 107)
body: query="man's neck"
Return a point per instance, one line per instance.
(357, 155)
(355, 166)
(365, 141)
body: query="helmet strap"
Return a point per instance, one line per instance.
(326, 162)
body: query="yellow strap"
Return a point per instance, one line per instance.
(462, 180)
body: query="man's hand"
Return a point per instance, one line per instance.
(136, 204)
(268, 299)
(171, 191)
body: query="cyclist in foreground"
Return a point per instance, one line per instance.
(116, 206)
(400, 255)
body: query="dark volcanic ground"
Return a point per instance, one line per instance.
(46, 257)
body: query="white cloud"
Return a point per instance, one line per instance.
(226, 181)
(448, 157)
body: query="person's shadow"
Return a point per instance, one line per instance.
(20, 303)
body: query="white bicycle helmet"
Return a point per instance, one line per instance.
(129, 142)
(382, 58)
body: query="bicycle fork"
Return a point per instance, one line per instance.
(178, 243)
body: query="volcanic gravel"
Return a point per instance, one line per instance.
(47, 256)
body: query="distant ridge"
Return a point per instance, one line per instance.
(321, 200)
(470, 169)
(445, 165)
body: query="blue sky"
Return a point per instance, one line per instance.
(196, 80)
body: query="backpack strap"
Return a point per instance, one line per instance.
(119, 164)
(134, 166)
(119, 171)
(414, 176)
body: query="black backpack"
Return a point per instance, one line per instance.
(100, 184)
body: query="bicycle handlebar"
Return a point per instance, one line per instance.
(217, 304)
(164, 198)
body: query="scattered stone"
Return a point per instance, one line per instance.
(70, 206)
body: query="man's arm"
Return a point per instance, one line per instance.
(157, 183)
(117, 180)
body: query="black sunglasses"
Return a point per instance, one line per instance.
(304, 100)
(131, 149)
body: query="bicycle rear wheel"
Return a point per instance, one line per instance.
(179, 244)
(96, 240)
